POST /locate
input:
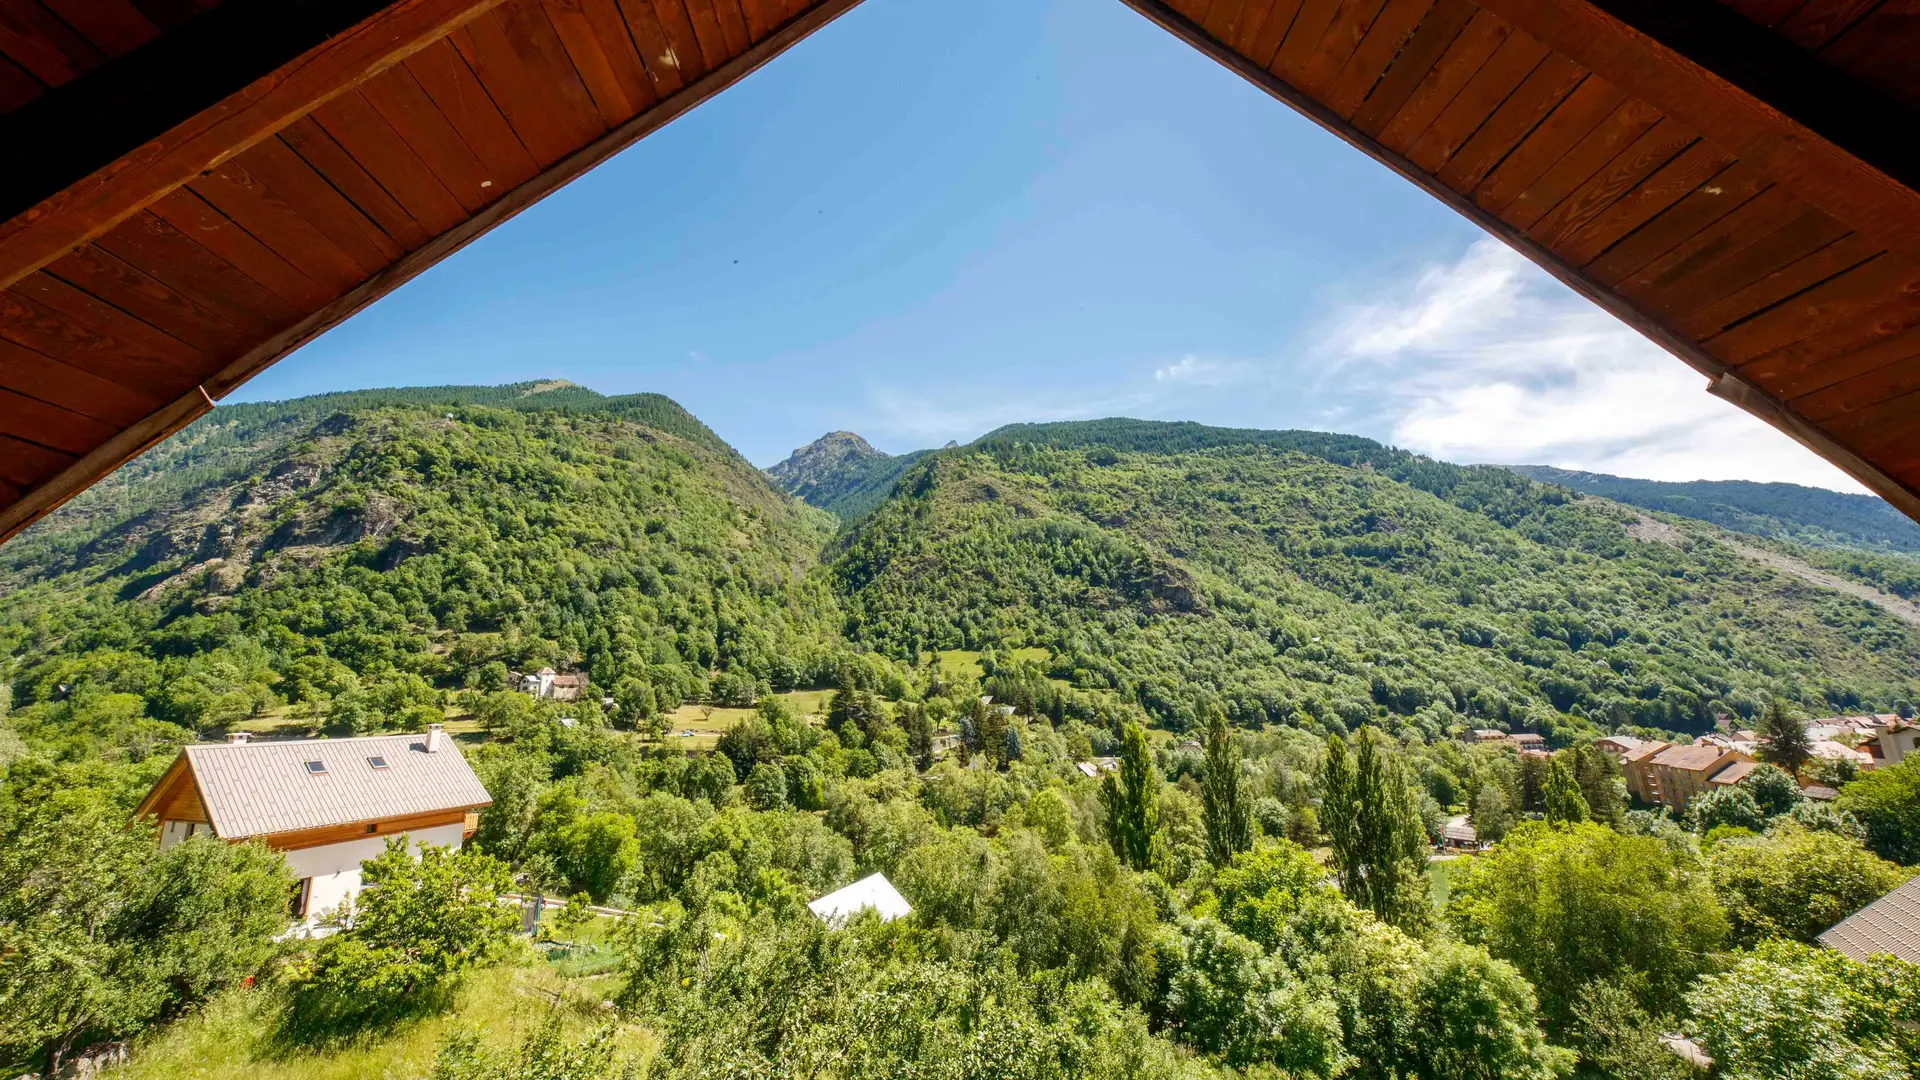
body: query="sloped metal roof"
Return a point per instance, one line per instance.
(1890, 924)
(874, 892)
(257, 788)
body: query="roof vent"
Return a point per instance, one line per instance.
(237, 738)
(434, 734)
(316, 768)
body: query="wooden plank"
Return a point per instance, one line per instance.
(1679, 223)
(1819, 308)
(683, 47)
(148, 299)
(1879, 49)
(733, 26)
(582, 46)
(1686, 173)
(1726, 382)
(44, 45)
(244, 200)
(1862, 391)
(16, 86)
(51, 426)
(1389, 32)
(1410, 68)
(1812, 378)
(327, 157)
(115, 27)
(43, 377)
(1796, 277)
(177, 112)
(1631, 122)
(762, 17)
(355, 830)
(1756, 95)
(32, 326)
(1819, 21)
(1474, 106)
(1572, 121)
(1272, 31)
(297, 183)
(450, 84)
(188, 213)
(706, 31)
(46, 493)
(532, 104)
(92, 316)
(1788, 365)
(650, 40)
(1476, 43)
(1223, 18)
(365, 135)
(1303, 39)
(1344, 35)
(163, 253)
(1752, 257)
(25, 464)
(400, 101)
(610, 29)
(1764, 12)
(1753, 219)
(1543, 89)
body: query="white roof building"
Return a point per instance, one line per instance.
(874, 893)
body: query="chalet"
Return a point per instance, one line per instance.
(1460, 834)
(1486, 735)
(1527, 740)
(326, 804)
(546, 683)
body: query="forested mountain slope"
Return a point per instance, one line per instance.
(373, 544)
(1807, 515)
(1297, 575)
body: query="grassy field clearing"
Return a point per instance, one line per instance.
(709, 722)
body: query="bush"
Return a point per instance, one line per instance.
(1794, 884)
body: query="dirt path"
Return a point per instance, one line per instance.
(1787, 564)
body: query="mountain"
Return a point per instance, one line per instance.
(1807, 515)
(841, 473)
(350, 555)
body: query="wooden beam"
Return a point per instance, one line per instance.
(185, 103)
(42, 500)
(1723, 382)
(1836, 142)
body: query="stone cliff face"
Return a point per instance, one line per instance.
(833, 463)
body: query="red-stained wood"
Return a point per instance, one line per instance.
(762, 17)
(1818, 309)
(90, 207)
(1590, 157)
(1475, 44)
(1679, 223)
(139, 294)
(1753, 94)
(51, 426)
(1344, 35)
(1519, 115)
(44, 45)
(48, 491)
(1797, 368)
(16, 86)
(1879, 50)
(706, 31)
(331, 160)
(733, 25)
(616, 43)
(1309, 29)
(1224, 18)
(246, 201)
(1764, 12)
(1707, 247)
(498, 54)
(26, 464)
(651, 41)
(1267, 38)
(1501, 75)
(1809, 379)
(1795, 277)
(407, 110)
(115, 27)
(683, 47)
(39, 376)
(590, 60)
(167, 255)
(1389, 32)
(188, 213)
(1757, 252)
(1862, 391)
(1416, 60)
(1590, 105)
(27, 323)
(1687, 173)
(321, 204)
(87, 314)
(1817, 22)
(446, 80)
(353, 122)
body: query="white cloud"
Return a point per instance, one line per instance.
(1487, 359)
(1199, 371)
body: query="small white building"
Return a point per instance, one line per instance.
(874, 893)
(328, 805)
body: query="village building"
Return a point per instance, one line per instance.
(1900, 738)
(1619, 745)
(1662, 774)
(1889, 925)
(328, 805)
(1459, 833)
(1733, 773)
(1486, 735)
(872, 893)
(1527, 740)
(548, 684)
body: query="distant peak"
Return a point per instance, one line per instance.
(547, 386)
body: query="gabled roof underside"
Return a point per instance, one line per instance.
(262, 788)
(190, 191)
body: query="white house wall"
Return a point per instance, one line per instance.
(335, 868)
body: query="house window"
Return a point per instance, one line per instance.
(316, 768)
(373, 828)
(302, 895)
(377, 762)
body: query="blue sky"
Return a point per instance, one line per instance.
(938, 216)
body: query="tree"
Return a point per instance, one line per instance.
(992, 725)
(1887, 802)
(101, 933)
(1615, 1035)
(1227, 805)
(1772, 789)
(767, 787)
(1791, 1010)
(420, 922)
(1231, 999)
(1571, 904)
(1532, 779)
(1379, 843)
(1733, 807)
(1491, 816)
(1565, 805)
(1783, 738)
(1794, 883)
(1132, 799)
(1475, 1018)
(1049, 815)
(919, 728)
(596, 852)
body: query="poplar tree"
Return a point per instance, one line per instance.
(1373, 822)
(1226, 805)
(1132, 800)
(1565, 804)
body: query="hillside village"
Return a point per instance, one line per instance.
(1175, 752)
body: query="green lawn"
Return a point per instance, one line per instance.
(709, 722)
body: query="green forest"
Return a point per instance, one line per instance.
(1275, 638)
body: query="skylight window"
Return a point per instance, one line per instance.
(377, 762)
(316, 768)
